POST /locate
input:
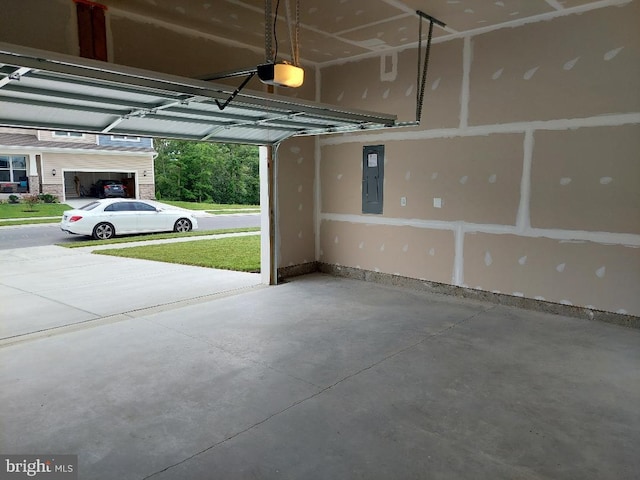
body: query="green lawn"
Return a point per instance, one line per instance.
(154, 236)
(214, 207)
(235, 253)
(227, 212)
(22, 210)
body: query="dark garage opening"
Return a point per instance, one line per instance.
(80, 184)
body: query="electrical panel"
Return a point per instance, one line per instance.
(372, 178)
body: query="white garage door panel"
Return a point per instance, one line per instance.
(47, 90)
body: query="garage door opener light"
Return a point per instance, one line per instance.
(272, 72)
(281, 74)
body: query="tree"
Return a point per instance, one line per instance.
(192, 171)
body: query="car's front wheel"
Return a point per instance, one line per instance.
(103, 231)
(182, 225)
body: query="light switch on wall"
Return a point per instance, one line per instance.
(437, 203)
(403, 201)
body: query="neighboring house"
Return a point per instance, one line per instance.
(67, 164)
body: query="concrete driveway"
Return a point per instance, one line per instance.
(318, 378)
(44, 288)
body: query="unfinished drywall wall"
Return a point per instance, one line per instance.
(580, 177)
(295, 167)
(455, 172)
(401, 250)
(569, 272)
(524, 176)
(383, 84)
(540, 71)
(146, 44)
(47, 25)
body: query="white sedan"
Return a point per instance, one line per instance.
(103, 219)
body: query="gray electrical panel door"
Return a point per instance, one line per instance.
(372, 178)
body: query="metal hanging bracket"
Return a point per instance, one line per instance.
(422, 68)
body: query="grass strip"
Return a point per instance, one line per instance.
(21, 210)
(154, 236)
(236, 253)
(227, 212)
(10, 223)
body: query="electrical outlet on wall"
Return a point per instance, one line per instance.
(437, 203)
(403, 201)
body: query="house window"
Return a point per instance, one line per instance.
(68, 134)
(92, 30)
(13, 168)
(125, 138)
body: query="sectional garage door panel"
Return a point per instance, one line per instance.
(47, 90)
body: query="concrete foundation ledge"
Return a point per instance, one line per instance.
(297, 270)
(631, 321)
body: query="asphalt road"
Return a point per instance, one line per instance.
(49, 234)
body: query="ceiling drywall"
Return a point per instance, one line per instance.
(336, 30)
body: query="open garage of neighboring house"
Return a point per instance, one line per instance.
(467, 254)
(69, 164)
(88, 184)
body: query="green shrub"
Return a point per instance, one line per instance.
(14, 199)
(48, 198)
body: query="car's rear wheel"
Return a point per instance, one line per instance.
(182, 225)
(103, 231)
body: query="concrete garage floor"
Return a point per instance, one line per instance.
(327, 378)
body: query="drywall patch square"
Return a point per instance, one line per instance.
(477, 178)
(564, 62)
(341, 178)
(587, 179)
(407, 251)
(576, 273)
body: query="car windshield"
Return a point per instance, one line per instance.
(89, 206)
